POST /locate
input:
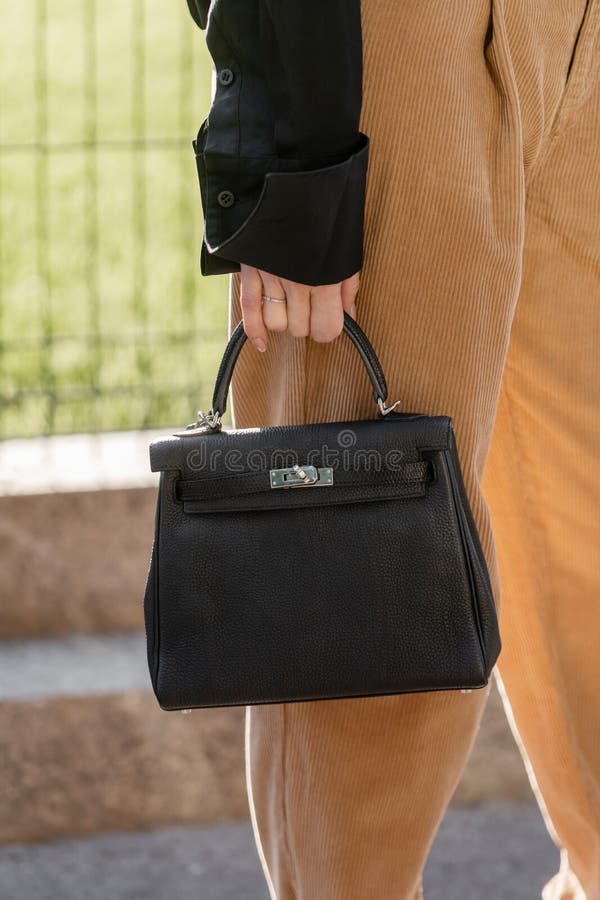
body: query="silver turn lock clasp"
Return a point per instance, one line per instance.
(301, 476)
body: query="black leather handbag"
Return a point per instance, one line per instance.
(314, 561)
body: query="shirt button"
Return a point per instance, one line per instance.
(225, 76)
(225, 198)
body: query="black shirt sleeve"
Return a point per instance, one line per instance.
(199, 11)
(281, 162)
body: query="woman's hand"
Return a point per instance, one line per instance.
(317, 312)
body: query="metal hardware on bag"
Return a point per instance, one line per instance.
(301, 476)
(207, 422)
(468, 691)
(386, 409)
(185, 712)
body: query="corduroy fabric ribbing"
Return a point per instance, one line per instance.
(481, 293)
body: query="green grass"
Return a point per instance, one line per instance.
(105, 320)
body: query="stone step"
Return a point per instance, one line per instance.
(76, 527)
(75, 562)
(496, 852)
(78, 765)
(73, 666)
(109, 460)
(86, 748)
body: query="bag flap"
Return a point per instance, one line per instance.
(343, 444)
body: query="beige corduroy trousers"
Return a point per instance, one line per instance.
(481, 294)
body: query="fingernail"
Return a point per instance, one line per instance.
(259, 344)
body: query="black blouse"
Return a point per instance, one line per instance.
(281, 162)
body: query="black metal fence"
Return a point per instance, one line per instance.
(105, 320)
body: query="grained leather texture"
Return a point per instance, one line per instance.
(374, 585)
(217, 452)
(485, 607)
(253, 490)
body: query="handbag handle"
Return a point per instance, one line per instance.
(212, 419)
(351, 328)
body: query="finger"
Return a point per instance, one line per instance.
(350, 288)
(326, 312)
(274, 314)
(298, 307)
(251, 302)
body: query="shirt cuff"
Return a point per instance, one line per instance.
(298, 219)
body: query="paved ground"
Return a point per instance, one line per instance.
(497, 852)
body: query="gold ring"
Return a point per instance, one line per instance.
(274, 299)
